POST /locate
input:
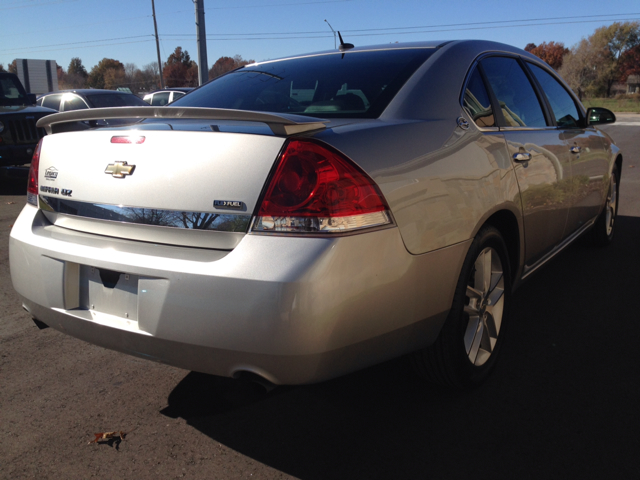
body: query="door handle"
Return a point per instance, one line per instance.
(575, 149)
(522, 157)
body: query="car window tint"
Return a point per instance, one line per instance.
(562, 104)
(10, 89)
(177, 95)
(357, 84)
(73, 102)
(160, 99)
(52, 101)
(477, 102)
(115, 100)
(517, 98)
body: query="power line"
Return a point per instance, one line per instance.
(321, 34)
(85, 46)
(67, 28)
(76, 43)
(422, 26)
(372, 32)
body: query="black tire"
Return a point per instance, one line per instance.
(462, 357)
(603, 230)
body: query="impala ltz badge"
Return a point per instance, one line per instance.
(120, 169)
(51, 173)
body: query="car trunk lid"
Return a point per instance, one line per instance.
(190, 188)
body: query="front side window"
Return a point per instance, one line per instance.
(518, 100)
(477, 102)
(564, 108)
(358, 84)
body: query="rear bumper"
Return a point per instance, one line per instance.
(293, 310)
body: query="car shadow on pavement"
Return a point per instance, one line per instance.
(562, 403)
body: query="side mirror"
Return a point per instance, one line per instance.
(31, 98)
(599, 116)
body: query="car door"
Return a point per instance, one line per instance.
(584, 145)
(537, 150)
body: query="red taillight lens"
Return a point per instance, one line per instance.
(317, 189)
(32, 185)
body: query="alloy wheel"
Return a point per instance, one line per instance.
(484, 306)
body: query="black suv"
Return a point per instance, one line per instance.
(18, 117)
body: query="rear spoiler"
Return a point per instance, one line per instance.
(280, 124)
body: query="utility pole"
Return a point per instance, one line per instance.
(155, 26)
(203, 67)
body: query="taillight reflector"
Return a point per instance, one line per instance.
(32, 185)
(316, 189)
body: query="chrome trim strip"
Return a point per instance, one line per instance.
(210, 221)
(528, 270)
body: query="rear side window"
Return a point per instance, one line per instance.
(477, 102)
(518, 100)
(564, 108)
(356, 84)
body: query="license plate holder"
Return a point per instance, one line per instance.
(108, 291)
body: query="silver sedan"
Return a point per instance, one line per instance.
(298, 219)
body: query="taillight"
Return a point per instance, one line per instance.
(316, 189)
(32, 186)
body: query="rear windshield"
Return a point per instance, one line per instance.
(354, 84)
(115, 100)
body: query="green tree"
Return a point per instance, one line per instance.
(77, 68)
(179, 70)
(96, 78)
(611, 44)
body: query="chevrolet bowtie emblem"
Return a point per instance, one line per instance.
(120, 169)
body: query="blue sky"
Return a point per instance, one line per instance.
(262, 29)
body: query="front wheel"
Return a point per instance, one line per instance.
(465, 352)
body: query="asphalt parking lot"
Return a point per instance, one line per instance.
(563, 402)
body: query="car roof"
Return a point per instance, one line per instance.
(478, 45)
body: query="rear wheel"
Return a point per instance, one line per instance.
(602, 232)
(469, 342)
